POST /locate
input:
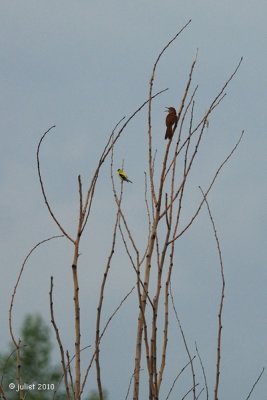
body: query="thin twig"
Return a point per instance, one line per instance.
(99, 309)
(2, 393)
(177, 376)
(129, 387)
(189, 391)
(153, 238)
(255, 383)
(80, 196)
(186, 91)
(219, 96)
(58, 339)
(151, 82)
(102, 334)
(203, 122)
(69, 370)
(177, 148)
(219, 337)
(186, 346)
(201, 391)
(6, 363)
(203, 372)
(208, 190)
(43, 190)
(18, 280)
(77, 318)
(136, 267)
(108, 147)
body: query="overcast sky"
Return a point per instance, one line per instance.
(82, 66)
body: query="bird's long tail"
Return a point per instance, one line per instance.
(168, 134)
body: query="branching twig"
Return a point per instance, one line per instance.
(110, 144)
(150, 150)
(69, 371)
(189, 391)
(177, 376)
(101, 336)
(208, 190)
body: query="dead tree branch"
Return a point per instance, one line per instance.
(59, 341)
(219, 337)
(255, 383)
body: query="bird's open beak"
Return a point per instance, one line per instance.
(167, 109)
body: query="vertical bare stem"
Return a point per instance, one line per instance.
(203, 372)
(2, 393)
(18, 369)
(77, 323)
(99, 309)
(53, 321)
(17, 343)
(219, 337)
(186, 347)
(69, 372)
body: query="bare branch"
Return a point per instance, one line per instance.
(129, 387)
(199, 394)
(186, 92)
(18, 280)
(108, 147)
(177, 376)
(69, 370)
(99, 309)
(43, 190)
(203, 372)
(189, 391)
(219, 338)
(2, 393)
(255, 383)
(208, 190)
(101, 336)
(218, 98)
(150, 151)
(186, 346)
(80, 197)
(58, 339)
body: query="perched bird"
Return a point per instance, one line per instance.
(123, 176)
(171, 120)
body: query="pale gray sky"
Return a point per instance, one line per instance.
(82, 66)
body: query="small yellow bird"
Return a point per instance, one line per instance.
(123, 175)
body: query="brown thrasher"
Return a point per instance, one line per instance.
(171, 120)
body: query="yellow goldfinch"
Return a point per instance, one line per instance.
(123, 175)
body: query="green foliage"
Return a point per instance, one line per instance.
(36, 367)
(94, 395)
